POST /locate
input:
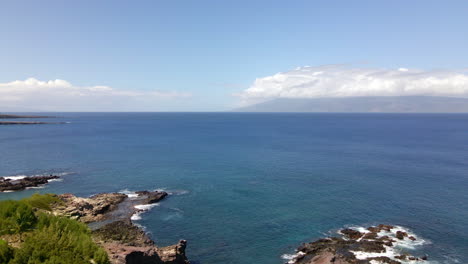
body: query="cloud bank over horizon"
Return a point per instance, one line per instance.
(345, 81)
(60, 95)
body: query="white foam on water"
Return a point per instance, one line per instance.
(142, 208)
(15, 178)
(136, 216)
(130, 194)
(55, 180)
(19, 177)
(357, 228)
(36, 187)
(292, 257)
(146, 207)
(395, 250)
(62, 173)
(389, 252)
(171, 192)
(405, 242)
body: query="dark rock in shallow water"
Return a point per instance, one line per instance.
(27, 182)
(356, 247)
(152, 197)
(401, 235)
(351, 234)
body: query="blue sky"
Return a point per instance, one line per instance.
(209, 50)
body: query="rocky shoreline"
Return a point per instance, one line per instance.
(109, 217)
(372, 245)
(18, 183)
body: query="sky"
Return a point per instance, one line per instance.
(217, 55)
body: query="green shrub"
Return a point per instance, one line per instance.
(6, 252)
(47, 238)
(42, 201)
(16, 217)
(59, 238)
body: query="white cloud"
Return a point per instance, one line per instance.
(60, 95)
(343, 81)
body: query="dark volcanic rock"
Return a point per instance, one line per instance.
(401, 235)
(27, 182)
(152, 197)
(351, 233)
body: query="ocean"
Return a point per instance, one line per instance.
(250, 188)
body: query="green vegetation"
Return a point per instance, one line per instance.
(42, 201)
(43, 237)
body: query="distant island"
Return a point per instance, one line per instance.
(5, 116)
(367, 104)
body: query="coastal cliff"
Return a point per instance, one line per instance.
(49, 228)
(109, 217)
(109, 214)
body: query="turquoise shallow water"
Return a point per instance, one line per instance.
(248, 188)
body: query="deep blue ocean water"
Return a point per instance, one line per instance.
(248, 188)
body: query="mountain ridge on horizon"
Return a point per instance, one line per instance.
(363, 104)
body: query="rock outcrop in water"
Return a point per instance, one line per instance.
(108, 215)
(7, 184)
(364, 246)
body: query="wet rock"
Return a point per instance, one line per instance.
(353, 248)
(351, 233)
(371, 235)
(401, 235)
(152, 197)
(385, 260)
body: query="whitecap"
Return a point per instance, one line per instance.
(141, 209)
(292, 257)
(146, 207)
(36, 187)
(15, 178)
(130, 194)
(398, 244)
(55, 180)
